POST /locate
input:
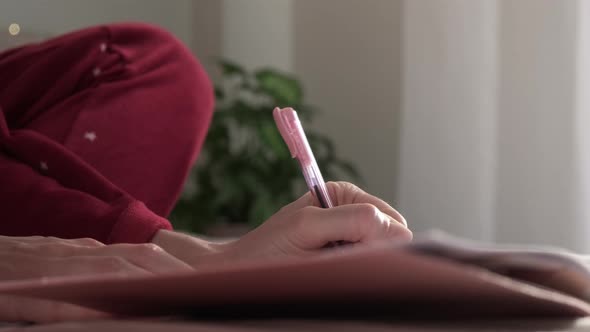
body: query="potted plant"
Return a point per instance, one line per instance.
(245, 172)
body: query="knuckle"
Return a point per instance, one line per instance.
(345, 185)
(344, 192)
(36, 238)
(22, 247)
(338, 184)
(367, 218)
(331, 184)
(53, 249)
(111, 264)
(54, 240)
(147, 249)
(367, 211)
(89, 242)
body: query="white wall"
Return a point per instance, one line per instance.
(537, 183)
(51, 17)
(582, 119)
(258, 33)
(448, 120)
(495, 141)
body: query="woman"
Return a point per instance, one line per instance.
(98, 131)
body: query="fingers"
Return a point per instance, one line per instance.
(90, 265)
(26, 258)
(89, 242)
(343, 193)
(45, 246)
(24, 266)
(22, 309)
(348, 193)
(315, 227)
(363, 197)
(146, 256)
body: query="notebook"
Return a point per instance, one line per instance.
(437, 275)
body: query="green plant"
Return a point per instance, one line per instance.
(245, 172)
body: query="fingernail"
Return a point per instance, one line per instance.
(407, 236)
(403, 222)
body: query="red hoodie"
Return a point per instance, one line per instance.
(98, 130)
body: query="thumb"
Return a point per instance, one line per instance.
(352, 223)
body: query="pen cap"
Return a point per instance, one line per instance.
(292, 132)
(286, 130)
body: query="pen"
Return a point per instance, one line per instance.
(292, 132)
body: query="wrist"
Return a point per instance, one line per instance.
(190, 249)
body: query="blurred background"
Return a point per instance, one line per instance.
(469, 116)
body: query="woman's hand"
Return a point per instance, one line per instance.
(299, 229)
(302, 228)
(39, 257)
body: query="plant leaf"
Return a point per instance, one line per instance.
(229, 68)
(263, 208)
(219, 94)
(270, 137)
(284, 89)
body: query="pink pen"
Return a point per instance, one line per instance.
(290, 128)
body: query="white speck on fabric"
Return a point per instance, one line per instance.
(90, 135)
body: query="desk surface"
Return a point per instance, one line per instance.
(307, 325)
